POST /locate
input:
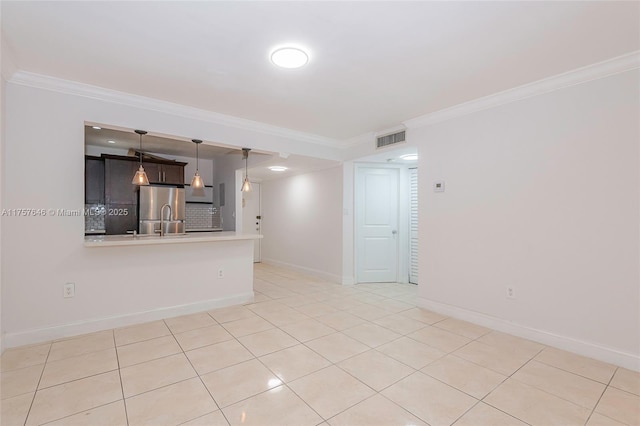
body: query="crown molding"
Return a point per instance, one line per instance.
(595, 71)
(55, 84)
(368, 137)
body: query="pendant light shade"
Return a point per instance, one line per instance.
(140, 177)
(246, 186)
(197, 182)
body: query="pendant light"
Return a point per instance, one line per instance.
(196, 182)
(246, 186)
(140, 177)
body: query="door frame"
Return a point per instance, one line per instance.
(402, 246)
(239, 213)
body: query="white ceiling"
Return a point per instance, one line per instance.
(373, 64)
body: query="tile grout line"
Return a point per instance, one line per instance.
(578, 374)
(369, 349)
(265, 366)
(331, 365)
(601, 395)
(606, 386)
(124, 402)
(277, 300)
(38, 385)
(93, 375)
(85, 377)
(511, 377)
(197, 374)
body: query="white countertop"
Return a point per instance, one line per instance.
(130, 240)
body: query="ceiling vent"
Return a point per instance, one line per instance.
(391, 139)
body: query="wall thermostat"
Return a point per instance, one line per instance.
(438, 186)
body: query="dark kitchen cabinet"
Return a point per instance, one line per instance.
(165, 173)
(121, 218)
(120, 196)
(153, 171)
(117, 183)
(173, 173)
(93, 180)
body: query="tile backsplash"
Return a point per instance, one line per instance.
(94, 218)
(199, 216)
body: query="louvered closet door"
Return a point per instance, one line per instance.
(413, 227)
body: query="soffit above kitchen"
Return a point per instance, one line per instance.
(126, 142)
(372, 64)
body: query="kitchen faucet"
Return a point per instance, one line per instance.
(162, 218)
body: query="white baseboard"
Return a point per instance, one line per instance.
(348, 280)
(588, 349)
(303, 269)
(89, 326)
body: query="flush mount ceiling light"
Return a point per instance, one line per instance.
(246, 186)
(110, 141)
(96, 127)
(289, 57)
(277, 168)
(409, 157)
(140, 177)
(196, 182)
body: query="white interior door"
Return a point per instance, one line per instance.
(413, 226)
(251, 217)
(377, 197)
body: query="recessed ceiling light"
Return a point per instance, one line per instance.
(289, 57)
(277, 168)
(409, 157)
(97, 127)
(111, 141)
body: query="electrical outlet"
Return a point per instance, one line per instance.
(220, 274)
(69, 290)
(511, 293)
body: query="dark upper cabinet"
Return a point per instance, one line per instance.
(173, 173)
(164, 172)
(118, 188)
(93, 180)
(154, 171)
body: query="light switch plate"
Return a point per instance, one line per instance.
(438, 186)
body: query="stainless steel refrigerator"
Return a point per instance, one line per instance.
(161, 210)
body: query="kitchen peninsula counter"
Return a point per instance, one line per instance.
(140, 240)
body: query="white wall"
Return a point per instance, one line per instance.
(542, 195)
(2, 157)
(205, 168)
(45, 135)
(302, 222)
(348, 224)
(224, 168)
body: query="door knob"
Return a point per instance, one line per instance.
(394, 232)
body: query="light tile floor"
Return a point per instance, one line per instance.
(309, 352)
